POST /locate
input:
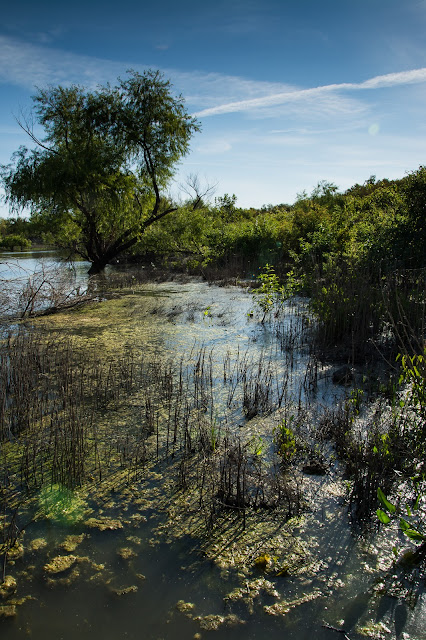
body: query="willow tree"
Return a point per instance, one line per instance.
(99, 174)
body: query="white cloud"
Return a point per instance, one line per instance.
(29, 65)
(393, 79)
(214, 147)
(317, 93)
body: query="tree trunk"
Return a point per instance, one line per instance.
(97, 266)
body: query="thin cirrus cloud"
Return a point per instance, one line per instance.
(28, 65)
(300, 95)
(31, 65)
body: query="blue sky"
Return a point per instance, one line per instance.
(288, 93)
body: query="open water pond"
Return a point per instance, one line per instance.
(182, 518)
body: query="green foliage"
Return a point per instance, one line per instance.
(11, 242)
(226, 207)
(412, 402)
(413, 232)
(270, 293)
(61, 505)
(410, 412)
(414, 528)
(97, 176)
(413, 373)
(385, 502)
(257, 445)
(285, 440)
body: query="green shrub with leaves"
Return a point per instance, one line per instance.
(270, 293)
(410, 515)
(286, 440)
(410, 510)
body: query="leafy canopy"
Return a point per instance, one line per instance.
(99, 173)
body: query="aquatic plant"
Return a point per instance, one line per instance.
(285, 440)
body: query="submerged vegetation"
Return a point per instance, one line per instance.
(257, 429)
(102, 435)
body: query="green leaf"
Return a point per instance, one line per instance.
(385, 502)
(383, 517)
(405, 526)
(413, 534)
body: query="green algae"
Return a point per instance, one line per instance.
(105, 325)
(374, 630)
(252, 589)
(62, 505)
(263, 561)
(124, 591)
(60, 564)
(213, 622)
(71, 542)
(66, 570)
(185, 607)
(8, 611)
(37, 544)
(126, 553)
(64, 580)
(283, 607)
(14, 552)
(8, 586)
(104, 524)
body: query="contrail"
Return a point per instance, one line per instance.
(389, 80)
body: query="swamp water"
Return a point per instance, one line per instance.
(182, 522)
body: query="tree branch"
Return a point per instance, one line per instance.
(29, 132)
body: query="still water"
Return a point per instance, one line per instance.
(149, 573)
